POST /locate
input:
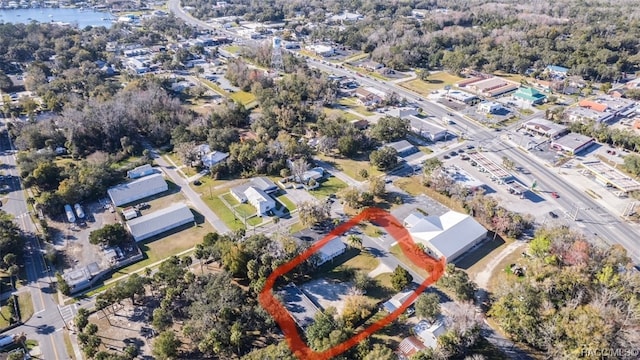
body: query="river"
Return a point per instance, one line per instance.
(76, 17)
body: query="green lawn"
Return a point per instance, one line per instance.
(5, 315)
(397, 252)
(230, 199)
(341, 114)
(234, 49)
(255, 221)
(284, 200)
(435, 82)
(363, 262)
(174, 158)
(245, 210)
(353, 167)
(511, 77)
(367, 72)
(224, 213)
(26, 305)
(356, 57)
(175, 243)
(296, 227)
(353, 105)
(243, 97)
(330, 186)
(411, 185)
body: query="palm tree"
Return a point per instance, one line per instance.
(355, 241)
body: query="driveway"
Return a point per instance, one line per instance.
(191, 195)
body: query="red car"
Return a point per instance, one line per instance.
(554, 195)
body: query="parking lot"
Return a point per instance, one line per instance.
(73, 239)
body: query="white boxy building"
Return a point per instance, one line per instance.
(137, 189)
(157, 222)
(448, 236)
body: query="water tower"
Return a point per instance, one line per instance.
(276, 54)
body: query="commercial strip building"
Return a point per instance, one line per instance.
(461, 97)
(544, 127)
(137, 189)
(488, 86)
(160, 221)
(496, 172)
(448, 236)
(572, 144)
(611, 177)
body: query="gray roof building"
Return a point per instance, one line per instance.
(138, 189)
(160, 221)
(262, 183)
(403, 147)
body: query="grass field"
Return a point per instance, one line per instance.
(68, 346)
(26, 305)
(340, 114)
(435, 81)
(397, 252)
(234, 49)
(353, 105)
(356, 57)
(296, 227)
(224, 213)
(284, 200)
(156, 250)
(353, 167)
(5, 315)
(230, 199)
(245, 210)
(243, 97)
(330, 186)
(511, 77)
(365, 72)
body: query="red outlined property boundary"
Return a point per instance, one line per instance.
(394, 228)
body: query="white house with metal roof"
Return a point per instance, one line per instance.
(330, 250)
(448, 236)
(160, 221)
(137, 189)
(260, 200)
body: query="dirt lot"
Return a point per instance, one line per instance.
(127, 326)
(73, 240)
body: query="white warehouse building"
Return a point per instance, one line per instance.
(160, 221)
(137, 189)
(448, 236)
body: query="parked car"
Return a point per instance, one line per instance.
(453, 153)
(553, 215)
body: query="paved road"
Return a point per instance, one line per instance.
(191, 195)
(47, 324)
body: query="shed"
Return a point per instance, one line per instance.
(137, 189)
(160, 221)
(140, 171)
